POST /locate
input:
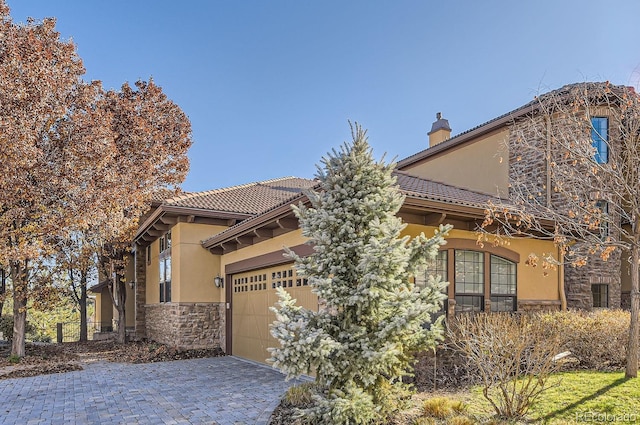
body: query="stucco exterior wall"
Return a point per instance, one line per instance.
(535, 289)
(194, 267)
(474, 166)
(104, 309)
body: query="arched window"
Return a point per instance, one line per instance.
(479, 280)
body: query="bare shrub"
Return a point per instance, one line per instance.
(512, 355)
(598, 339)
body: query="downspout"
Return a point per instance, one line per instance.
(563, 296)
(548, 158)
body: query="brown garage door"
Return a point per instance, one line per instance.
(253, 293)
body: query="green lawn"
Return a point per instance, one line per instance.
(579, 397)
(590, 397)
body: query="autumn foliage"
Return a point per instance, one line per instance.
(74, 158)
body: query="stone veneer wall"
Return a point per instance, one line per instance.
(538, 305)
(187, 325)
(578, 280)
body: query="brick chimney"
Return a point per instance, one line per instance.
(440, 131)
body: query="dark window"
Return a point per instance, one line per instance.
(436, 267)
(503, 284)
(600, 138)
(165, 268)
(600, 294)
(469, 280)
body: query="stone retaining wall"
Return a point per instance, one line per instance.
(187, 325)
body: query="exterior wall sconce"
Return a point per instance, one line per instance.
(218, 281)
(131, 284)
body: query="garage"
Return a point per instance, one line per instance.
(253, 293)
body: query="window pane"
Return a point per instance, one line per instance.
(503, 276)
(469, 272)
(167, 287)
(162, 271)
(469, 303)
(167, 262)
(435, 267)
(599, 138)
(600, 295)
(503, 303)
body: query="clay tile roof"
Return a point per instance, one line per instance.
(428, 189)
(251, 198)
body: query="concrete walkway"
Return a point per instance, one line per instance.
(222, 390)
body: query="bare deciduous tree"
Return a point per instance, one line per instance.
(585, 196)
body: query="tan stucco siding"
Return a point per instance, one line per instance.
(153, 275)
(104, 307)
(532, 283)
(194, 267)
(277, 243)
(475, 166)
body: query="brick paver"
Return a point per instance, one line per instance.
(221, 390)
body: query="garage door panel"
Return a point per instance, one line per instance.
(253, 294)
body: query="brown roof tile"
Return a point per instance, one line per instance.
(251, 198)
(435, 191)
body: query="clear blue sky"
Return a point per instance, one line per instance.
(269, 85)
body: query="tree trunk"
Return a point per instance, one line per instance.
(634, 334)
(121, 294)
(3, 288)
(83, 306)
(19, 279)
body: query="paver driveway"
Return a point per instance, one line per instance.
(221, 390)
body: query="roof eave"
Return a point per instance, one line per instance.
(468, 136)
(176, 211)
(254, 223)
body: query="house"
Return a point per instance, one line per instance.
(206, 264)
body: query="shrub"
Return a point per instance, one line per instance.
(512, 356)
(598, 339)
(442, 407)
(300, 395)
(6, 327)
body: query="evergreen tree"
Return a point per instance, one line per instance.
(372, 317)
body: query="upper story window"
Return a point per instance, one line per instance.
(600, 138)
(165, 268)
